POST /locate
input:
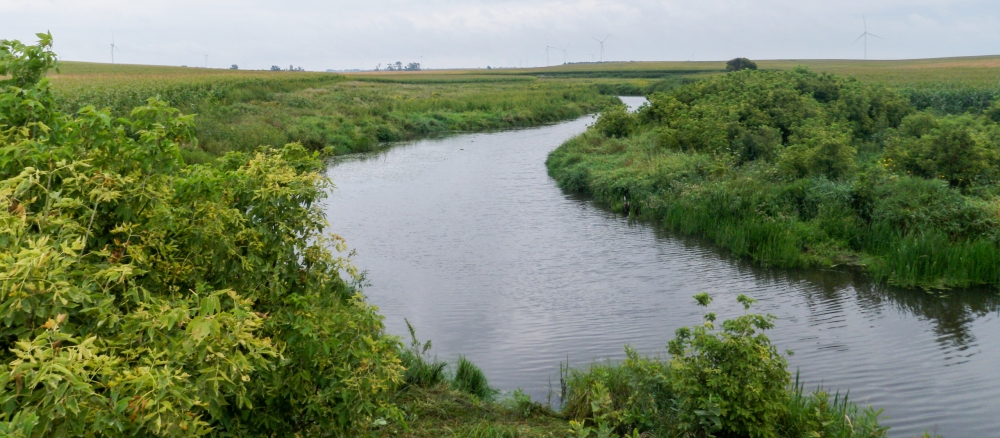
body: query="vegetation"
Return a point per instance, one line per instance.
(731, 382)
(737, 64)
(799, 169)
(143, 296)
(145, 293)
(239, 111)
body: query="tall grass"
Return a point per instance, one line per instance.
(470, 378)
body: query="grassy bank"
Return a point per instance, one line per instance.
(797, 169)
(334, 114)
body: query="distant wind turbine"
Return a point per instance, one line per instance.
(602, 45)
(113, 46)
(865, 36)
(547, 47)
(564, 52)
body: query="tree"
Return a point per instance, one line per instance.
(413, 66)
(399, 65)
(234, 67)
(737, 64)
(275, 68)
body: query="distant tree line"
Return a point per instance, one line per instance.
(398, 66)
(290, 68)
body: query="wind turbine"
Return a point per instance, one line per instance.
(602, 45)
(113, 46)
(865, 36)
(564, 52)
(547, 47)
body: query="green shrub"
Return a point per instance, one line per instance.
(818, 150)
(144, 296)
(961, 150)
(615, 121)
(733, 381)
(729, 382)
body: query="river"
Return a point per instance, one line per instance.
(469, 239)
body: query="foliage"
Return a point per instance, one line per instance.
(728, 382)
(737, 64)
(635, 395)
(143, 296)
(615, 121)
(961, 150)
(733, 381)
(798, 169)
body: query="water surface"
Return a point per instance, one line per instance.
(471, 240)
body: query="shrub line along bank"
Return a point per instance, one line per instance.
(797, 169)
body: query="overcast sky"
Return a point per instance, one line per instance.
(337, 34)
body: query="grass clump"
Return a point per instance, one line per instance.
(470, 378)
(798, 169)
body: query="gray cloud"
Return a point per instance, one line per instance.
(359, 34)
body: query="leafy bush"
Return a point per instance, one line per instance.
(143, 296)
(733, 381)
(615, 121)
(729, 382)
(737, 64)
(961, 150)
(818, 150)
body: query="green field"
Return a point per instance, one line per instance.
(338, 113)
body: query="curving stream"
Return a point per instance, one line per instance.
(469, 239)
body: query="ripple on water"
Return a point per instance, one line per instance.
(469, 239)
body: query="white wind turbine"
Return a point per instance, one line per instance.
(547, 47)
(564, 51)
(113, 46)
(865, 36)
(602, 45)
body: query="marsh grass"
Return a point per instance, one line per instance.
(470, 378)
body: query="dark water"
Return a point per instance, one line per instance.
(471, 240)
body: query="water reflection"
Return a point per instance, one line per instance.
(473, 242)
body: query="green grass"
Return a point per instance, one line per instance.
(333, 114)
(440, 411)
